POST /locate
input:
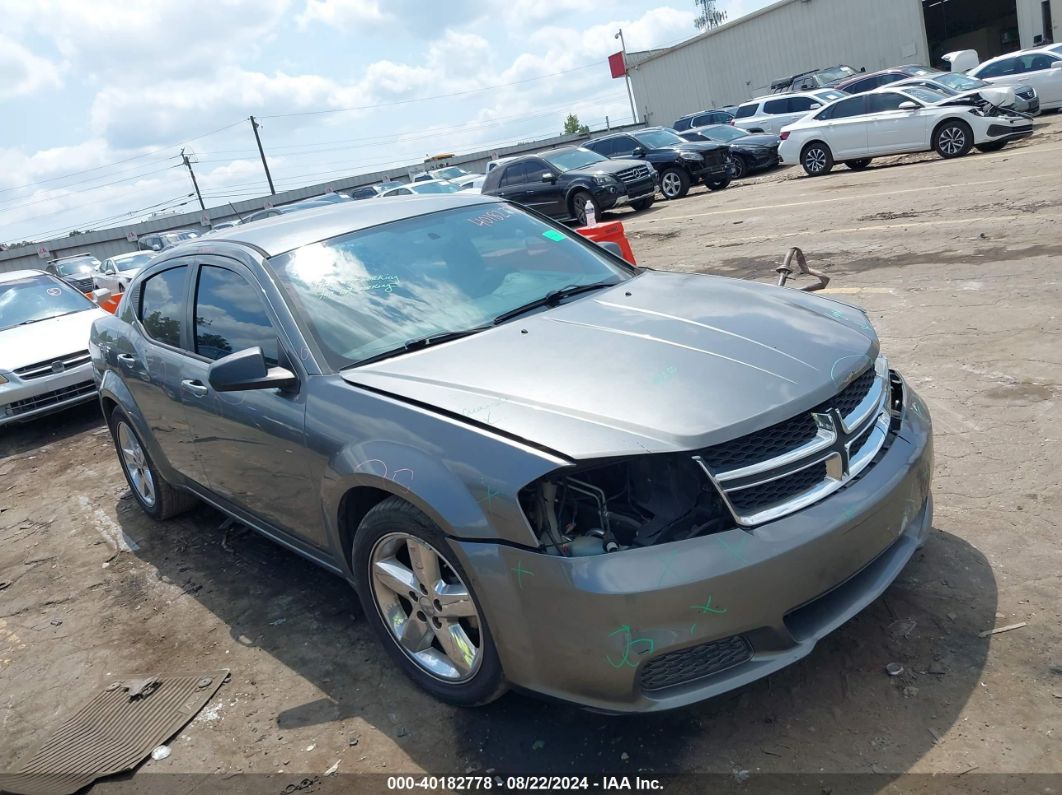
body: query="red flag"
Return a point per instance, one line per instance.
(617, 65)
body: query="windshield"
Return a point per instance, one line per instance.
(567, 159)
(75, 266)
(37, 298)
(834, 73)
(925, 94)
(371, 291)
(959, 82)
(435, 187)
(655, 139)
(722, 132)
(450, 172)
(133, 262)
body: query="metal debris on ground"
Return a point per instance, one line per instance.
(997, 630)
(332, 770)
(112, 733)
(894, 669)
(160, 753)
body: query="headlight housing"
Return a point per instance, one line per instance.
(605, 180)
(690, 156)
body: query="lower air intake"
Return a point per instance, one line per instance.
(687, 665)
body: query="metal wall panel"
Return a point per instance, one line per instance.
(739, 60)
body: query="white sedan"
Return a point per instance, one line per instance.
(44, 335)
(426, 186)
(115, 273)
(893, 121)
(1041, 69)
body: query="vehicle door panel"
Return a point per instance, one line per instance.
(251, 444)
(890, 129)
(545, 197)
(513, 182)
(846, 132)
(152, 372)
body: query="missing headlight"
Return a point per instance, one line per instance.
(609, 506)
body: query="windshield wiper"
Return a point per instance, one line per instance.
(50, 317)
(552, 298)
(420, 343)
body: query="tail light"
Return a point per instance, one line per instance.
(785, 135)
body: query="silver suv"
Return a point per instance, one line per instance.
(770, 114)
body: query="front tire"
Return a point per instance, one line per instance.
(858, 165)
(991, 146)
(415, 594)
(674, 183)
(643, 204)
(741, 167)
(717, 184)
(580, 201)
(157, 498)
(953, 138)
(817, 159)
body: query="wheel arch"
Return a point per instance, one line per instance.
(940, 123)
(114, 394)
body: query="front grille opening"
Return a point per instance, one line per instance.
(757, 498)
(51, 398)
(761, 445)
(697, 662)
(852, 395)
(857, 445)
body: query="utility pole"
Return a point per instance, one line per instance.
(254, 126)
(626, 74)
(188, 164)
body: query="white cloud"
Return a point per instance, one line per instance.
(22, 72)
(342, 14)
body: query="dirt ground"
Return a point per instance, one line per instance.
(957, 263)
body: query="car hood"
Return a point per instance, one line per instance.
(1000, 96)
(758, 139)
(662, 362)
(606, 167)
(47, 339)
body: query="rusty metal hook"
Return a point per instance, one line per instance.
(785, 271)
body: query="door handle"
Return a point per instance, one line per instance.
(197, 388)
(126, 359)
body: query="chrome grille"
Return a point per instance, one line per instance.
(688, 665)
(52, 366)
(635, 174)
(779, 470)
(52, 398)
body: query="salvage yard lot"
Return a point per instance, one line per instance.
(956, 263)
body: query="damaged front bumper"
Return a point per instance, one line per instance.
(664, 626)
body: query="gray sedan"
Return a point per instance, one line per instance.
(537, 465)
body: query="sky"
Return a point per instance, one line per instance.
(98, 98)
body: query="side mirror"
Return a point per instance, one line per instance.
(549, 176)
(815, 106)
(245, 370)
(909, 105)
(639, 151)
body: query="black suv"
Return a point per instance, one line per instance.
(679, 162)
(561, 183)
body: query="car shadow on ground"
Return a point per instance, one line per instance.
(23, 437)
(838, 710)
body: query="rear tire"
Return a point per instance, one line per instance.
(991, 146)
(817, 159)
(741, 167)
(674, 183)
(157, 498)
(643, 204)
(858, 165)
(953, 138)
(383, 559)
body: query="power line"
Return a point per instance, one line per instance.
(95, 187)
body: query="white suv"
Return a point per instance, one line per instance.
(770, 114)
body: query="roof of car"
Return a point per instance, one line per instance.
(11, 276)
(289, 231)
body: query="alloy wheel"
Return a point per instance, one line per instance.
(579, 204)
(670, 185)
(815, 160)
(952, 140)
(426, 607)
(136, 466)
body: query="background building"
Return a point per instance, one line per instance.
(739, 60)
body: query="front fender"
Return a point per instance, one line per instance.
(112, 388)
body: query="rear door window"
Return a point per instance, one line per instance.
(162, 305)
(515, 174)
(1007, 66)
(776, 106)
(800, 104)
(846, 108)
(746, 110)
(887, 100)
(230, 316)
